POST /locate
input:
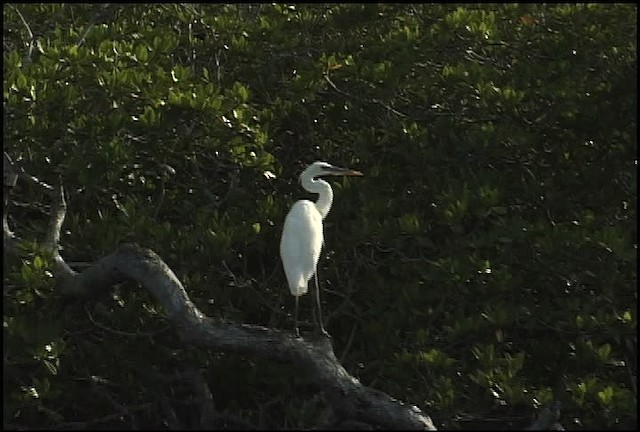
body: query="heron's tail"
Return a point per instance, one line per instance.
(298, 289)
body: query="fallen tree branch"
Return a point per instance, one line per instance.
(346, 395)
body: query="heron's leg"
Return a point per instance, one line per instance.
(295, 318)
(322, 330)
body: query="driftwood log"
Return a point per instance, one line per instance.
(356, 405)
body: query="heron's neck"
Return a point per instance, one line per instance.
(323, 189)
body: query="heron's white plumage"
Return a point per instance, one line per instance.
(302, 235)
(301, 244)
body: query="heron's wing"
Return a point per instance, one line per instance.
(300, 244)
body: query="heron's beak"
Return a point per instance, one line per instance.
(337, 171)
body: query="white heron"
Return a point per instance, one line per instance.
(302, 236)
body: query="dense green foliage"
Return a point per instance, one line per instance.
(485, 264)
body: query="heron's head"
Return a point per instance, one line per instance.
(319, 169)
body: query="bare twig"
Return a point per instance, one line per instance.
(9, 175)
(346, 301)
(52, 240)
(165, 172)
(10, 178)
(120, 332)
(374, 101)
(349, 342)
(632, 378)
(79, 264)
(58, 212)
(100, 14)
(160, 200)
(32, 38)
(9, 240)
(215, 201)
(13, 172)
